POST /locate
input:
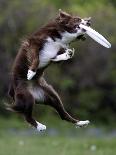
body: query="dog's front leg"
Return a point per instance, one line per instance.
(32, 69)
(34, 62)
(65, 56)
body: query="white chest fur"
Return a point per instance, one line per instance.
(48, 52)
(68, 37)
(52, 47)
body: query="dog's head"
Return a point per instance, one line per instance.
(70, 23)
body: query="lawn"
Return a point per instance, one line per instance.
(60, 138)
(19, 144)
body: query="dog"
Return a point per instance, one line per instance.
(50, 44)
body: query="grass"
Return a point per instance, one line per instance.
(55, 145)
(16, 138)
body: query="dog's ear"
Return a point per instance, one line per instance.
(62, 17)
(63, 14)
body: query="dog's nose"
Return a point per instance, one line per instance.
(88, 23)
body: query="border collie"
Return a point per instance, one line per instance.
(48, 45)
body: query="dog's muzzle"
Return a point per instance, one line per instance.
(86, 21)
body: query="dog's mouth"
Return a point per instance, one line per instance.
(81, 31)
(86, 22)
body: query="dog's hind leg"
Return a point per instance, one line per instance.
(56, 103)
(52, 99)
(24, 104)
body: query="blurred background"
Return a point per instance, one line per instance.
(86, 83)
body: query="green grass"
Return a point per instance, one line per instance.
(46, 145)
(17, 138)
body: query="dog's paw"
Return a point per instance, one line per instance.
(40, 127)
(30, 74)
(82, 123)
(69, 53)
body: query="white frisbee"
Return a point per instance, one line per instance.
(96, 36)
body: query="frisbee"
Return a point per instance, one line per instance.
(96, 36)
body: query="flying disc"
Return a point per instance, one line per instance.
(96, 36)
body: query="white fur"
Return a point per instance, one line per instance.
(65, 56)
(67, 37)
(30, 74)
(83, 21)
(40, 127)
(49, 51)
(37, 93)
(82, 123)
(52, 47)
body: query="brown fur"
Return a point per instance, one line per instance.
(28, 58)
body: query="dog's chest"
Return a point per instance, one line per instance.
(68, 37)
(51, 47)
(49, 51)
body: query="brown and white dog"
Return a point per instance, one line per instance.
(49, 44)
